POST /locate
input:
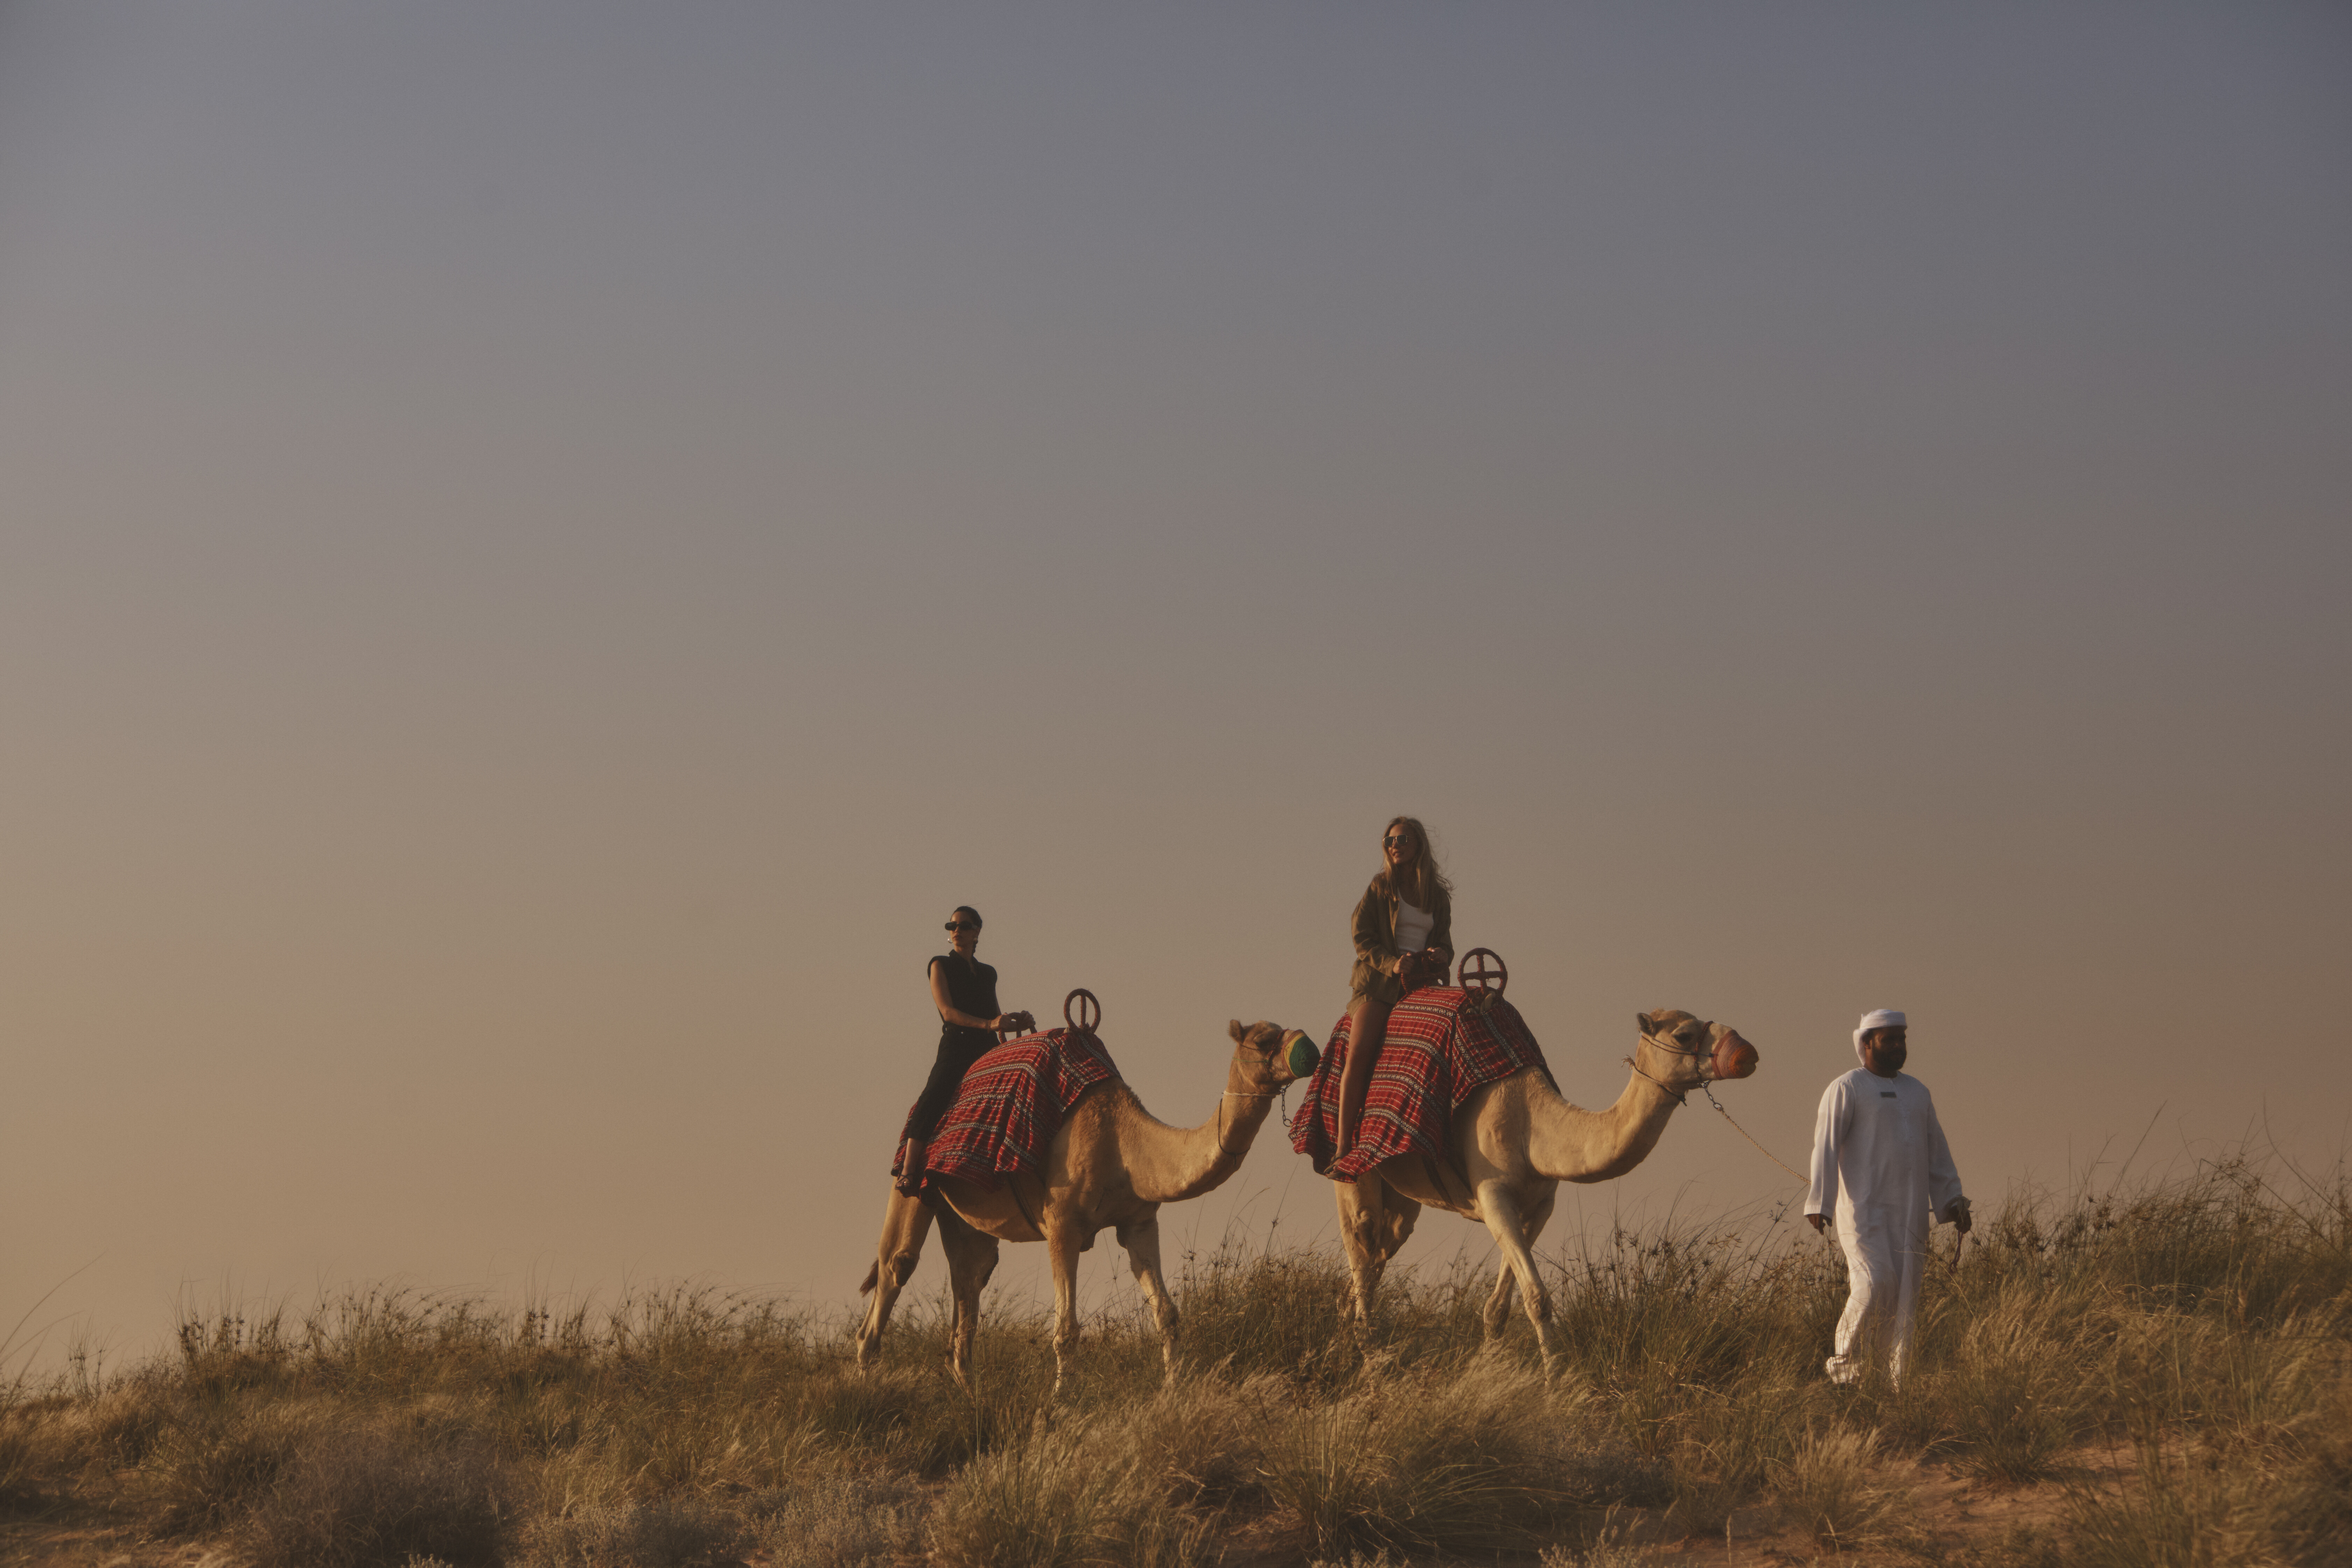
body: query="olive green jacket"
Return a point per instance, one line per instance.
(1377, 958)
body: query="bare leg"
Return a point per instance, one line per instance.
(971, 1258)
(1502, 1211)
(1141, 1240)
(904, 1223)
(1367, 1027)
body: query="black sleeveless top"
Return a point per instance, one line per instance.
(972, 989)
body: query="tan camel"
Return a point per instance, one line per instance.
(1111, 1163)
(1515, 1141)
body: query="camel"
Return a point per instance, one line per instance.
(1110, 1162)
(1513, 1142)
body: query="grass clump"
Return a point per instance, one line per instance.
(1831, 1488)
(212, 1464)
(1485, 1456)
(670, 1532)
(375, 1499)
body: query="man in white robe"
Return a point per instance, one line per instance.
(1881, 1165)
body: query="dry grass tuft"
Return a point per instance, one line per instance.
(1830, 1489)
(1071, 1495)
(375, 1499)
(842, 1521)
(671, 1532)
(212, 1464)
(1484, 1456)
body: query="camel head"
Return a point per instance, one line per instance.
(1681, 1052)
(1269, 1055)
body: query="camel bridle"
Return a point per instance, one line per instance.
(1682, 1095)
(1282, 1093)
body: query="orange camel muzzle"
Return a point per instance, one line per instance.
(1733, 1058)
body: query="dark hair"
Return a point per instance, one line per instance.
(966, 909)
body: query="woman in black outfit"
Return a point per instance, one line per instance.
(965, 992)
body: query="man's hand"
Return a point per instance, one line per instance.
(1821, 1222)
(1961, 1220)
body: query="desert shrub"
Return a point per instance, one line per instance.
(2016, 1389)
(917, 1419)
(841, 1520)
(1606, 1550)
(2177, 1512)
(122, 1423)
(1201, 1441)
(1062, 1498)
(1830, 1489)
(666, 1533)
(20, 1455)
(231, 1350)
(213, 1462)
(651, 1446)
(370, 1500)
(1721, 1445)
(1271, 1311)
(1482, 1457)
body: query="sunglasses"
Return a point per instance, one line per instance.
(962, 925)
(1394, 840)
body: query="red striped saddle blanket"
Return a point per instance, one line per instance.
(1011, 1103)
(1442, 1047)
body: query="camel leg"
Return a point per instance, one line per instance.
(1141, 1240)
(971, 1258)
(1498, 1305)
(1374, 1221)
(1360, 1227)
(904, 1223)
(1502, 1211)
(1062, 1241)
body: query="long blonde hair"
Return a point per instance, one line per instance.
(1427, 881)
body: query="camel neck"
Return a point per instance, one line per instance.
(1180, 1163)
(1567, 1142)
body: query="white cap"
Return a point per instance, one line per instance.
(1878, 1018)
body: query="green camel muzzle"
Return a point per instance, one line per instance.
(1303, 1055)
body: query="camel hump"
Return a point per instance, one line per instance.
(1442, 1046)
(1010, 1103)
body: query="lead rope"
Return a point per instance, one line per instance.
(1960, 1239)
(1803, 1180)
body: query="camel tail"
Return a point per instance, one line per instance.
(873, 1278)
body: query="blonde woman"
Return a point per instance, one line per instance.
(1405, 937)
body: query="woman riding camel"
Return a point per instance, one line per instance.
(964, 991)
(1405, 937)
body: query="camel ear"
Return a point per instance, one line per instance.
(1236, 1031)
(1644, 1023)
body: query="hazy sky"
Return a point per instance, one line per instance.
(543, 547)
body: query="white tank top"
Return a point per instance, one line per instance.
(1414, 926)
